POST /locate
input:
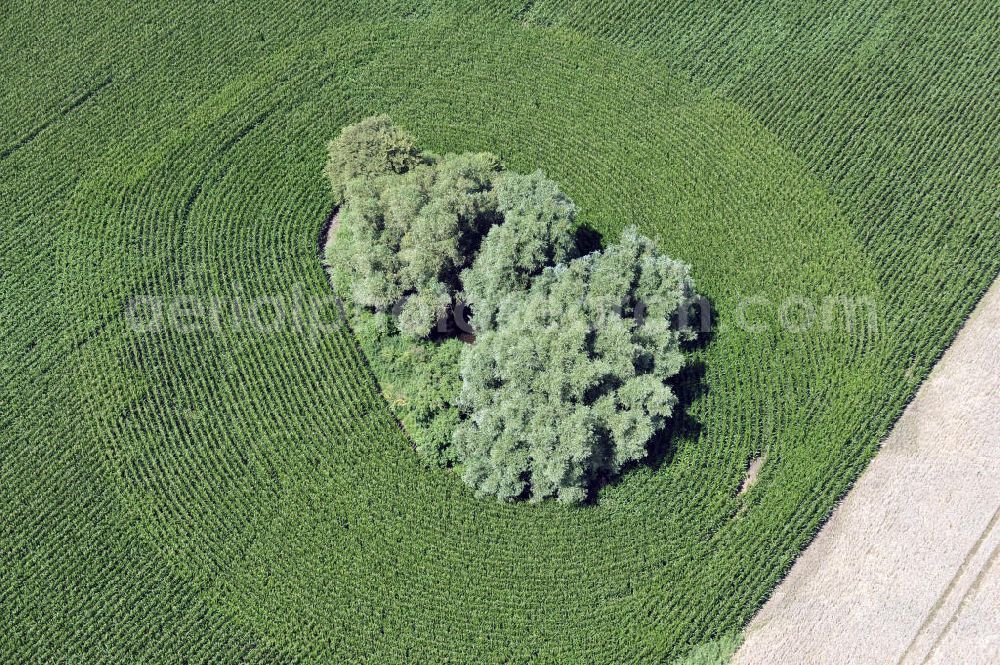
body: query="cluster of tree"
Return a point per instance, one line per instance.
(570, 382)
(566, 379)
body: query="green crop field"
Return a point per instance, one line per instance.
(220, 493)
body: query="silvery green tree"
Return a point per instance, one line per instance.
(412, 225)
(409, 222)
(538, 230)
(569, 384)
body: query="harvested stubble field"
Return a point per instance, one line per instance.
(224, 494)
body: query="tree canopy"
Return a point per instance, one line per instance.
(567, 379)
(373, 146)
(571, 384)
(409, 223)
(538, 230)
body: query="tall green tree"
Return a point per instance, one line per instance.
(371, 147)
(408, 227)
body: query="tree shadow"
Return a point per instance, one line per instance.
(588, 239)
(703, 318)
(689, 385)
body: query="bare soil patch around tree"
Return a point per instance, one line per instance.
(907, 570)
(328, 233)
